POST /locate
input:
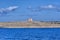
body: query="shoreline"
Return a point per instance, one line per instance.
(29, 24)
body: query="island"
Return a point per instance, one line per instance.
(30, 24)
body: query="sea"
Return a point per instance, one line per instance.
(29, 33)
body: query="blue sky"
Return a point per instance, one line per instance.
(50, 10)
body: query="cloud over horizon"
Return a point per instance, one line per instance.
(9, 9)
(45, 7)
(48, 6)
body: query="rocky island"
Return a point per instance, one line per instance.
(30, 24)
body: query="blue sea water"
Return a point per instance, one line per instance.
(29, 33)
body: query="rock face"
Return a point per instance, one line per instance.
(29, 24)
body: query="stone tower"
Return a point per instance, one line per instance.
(30, 20)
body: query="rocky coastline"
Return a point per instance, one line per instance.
(29, 24)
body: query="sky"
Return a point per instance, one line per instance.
(21, 10)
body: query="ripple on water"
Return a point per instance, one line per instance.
(29, 34)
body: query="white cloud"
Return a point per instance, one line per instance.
(48, 6)
(11, 8)
(45, 7)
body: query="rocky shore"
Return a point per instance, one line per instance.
(29, 24)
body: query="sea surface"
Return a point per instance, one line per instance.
(29, 33)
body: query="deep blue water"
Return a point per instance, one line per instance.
(29, 33)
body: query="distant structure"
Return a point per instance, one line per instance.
(30, 20)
